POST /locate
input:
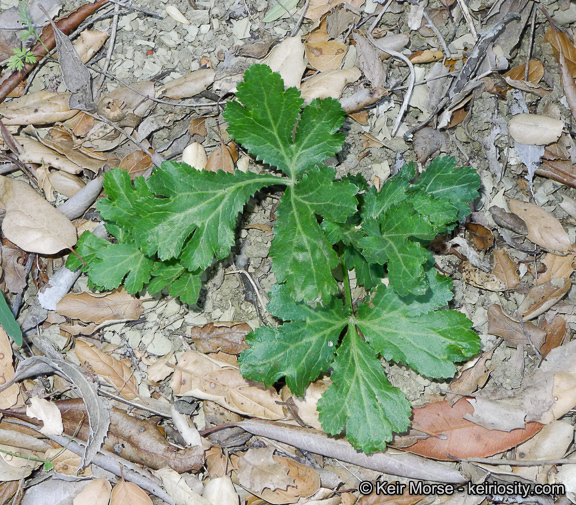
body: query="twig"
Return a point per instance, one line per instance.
(447, 53)
(531, 43)
(469, 20)
(400, 56)
(300, 20)
(513, 462)
(19, 296)
(111, 44)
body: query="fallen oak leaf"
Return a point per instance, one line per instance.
(454, 436)
(108, 367)
(31, 222)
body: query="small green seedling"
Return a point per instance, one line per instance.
(171, 227)
(25, 56)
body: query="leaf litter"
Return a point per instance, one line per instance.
(164, 327)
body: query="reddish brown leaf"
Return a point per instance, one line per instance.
(482, 237)
(455, 437)
(535, 72)
(555, 334)
(505, 269)
(225, 337)
(512, 331)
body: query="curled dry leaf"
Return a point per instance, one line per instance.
(31, 222)
(513, 332)
(329, 84)
(117, 305)
(41, 107)
(222, 158)
(540, 298)
(128, 493)
(472, 378)
(65, 183)
(13, 261)
(36, 152)
(287, 58)
(505, 269)
(543, 228)
(508, 220)
(9, 397)
(306, 408)
(535, 129)
(190, 84)
(89, 43)
(555, 334)
(108, 367)
(426, 56)
(195, 156)
(121, 105)
(97, 492)
(557, 267)
(48, 413)
(178, 489)
(210, 379)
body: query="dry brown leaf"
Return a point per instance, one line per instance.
(65, 183)
(535, 72)
(220, 159)
(31, 222)
(481, 236)
(287, 58)
(568, 48)
(555, 334)
(512, 331)
(480, 279)
(471, 378)
(97, 492)
(81, 124)
(209, 379)
(317, 8)
(117, 305)
(217, 463)
(136, 163)
(225, 337)
(368, 59)
(38, 153)
(190, 84)
(540, 298)
(65, 462)
(48, 413)
(535, 129)
(306, 408)
(128, 493)
(258, 470)
(198, 127)
(543, 228)
(10, 396)
(329, 84)
(178, 489)
(13, 260)
(195, 156)
(505, 269)
(557, 267)
(41, 107)
(326, 55)
(89, 43)
(108, 367)
(453, 436)
(426, 56)
(126, 106)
